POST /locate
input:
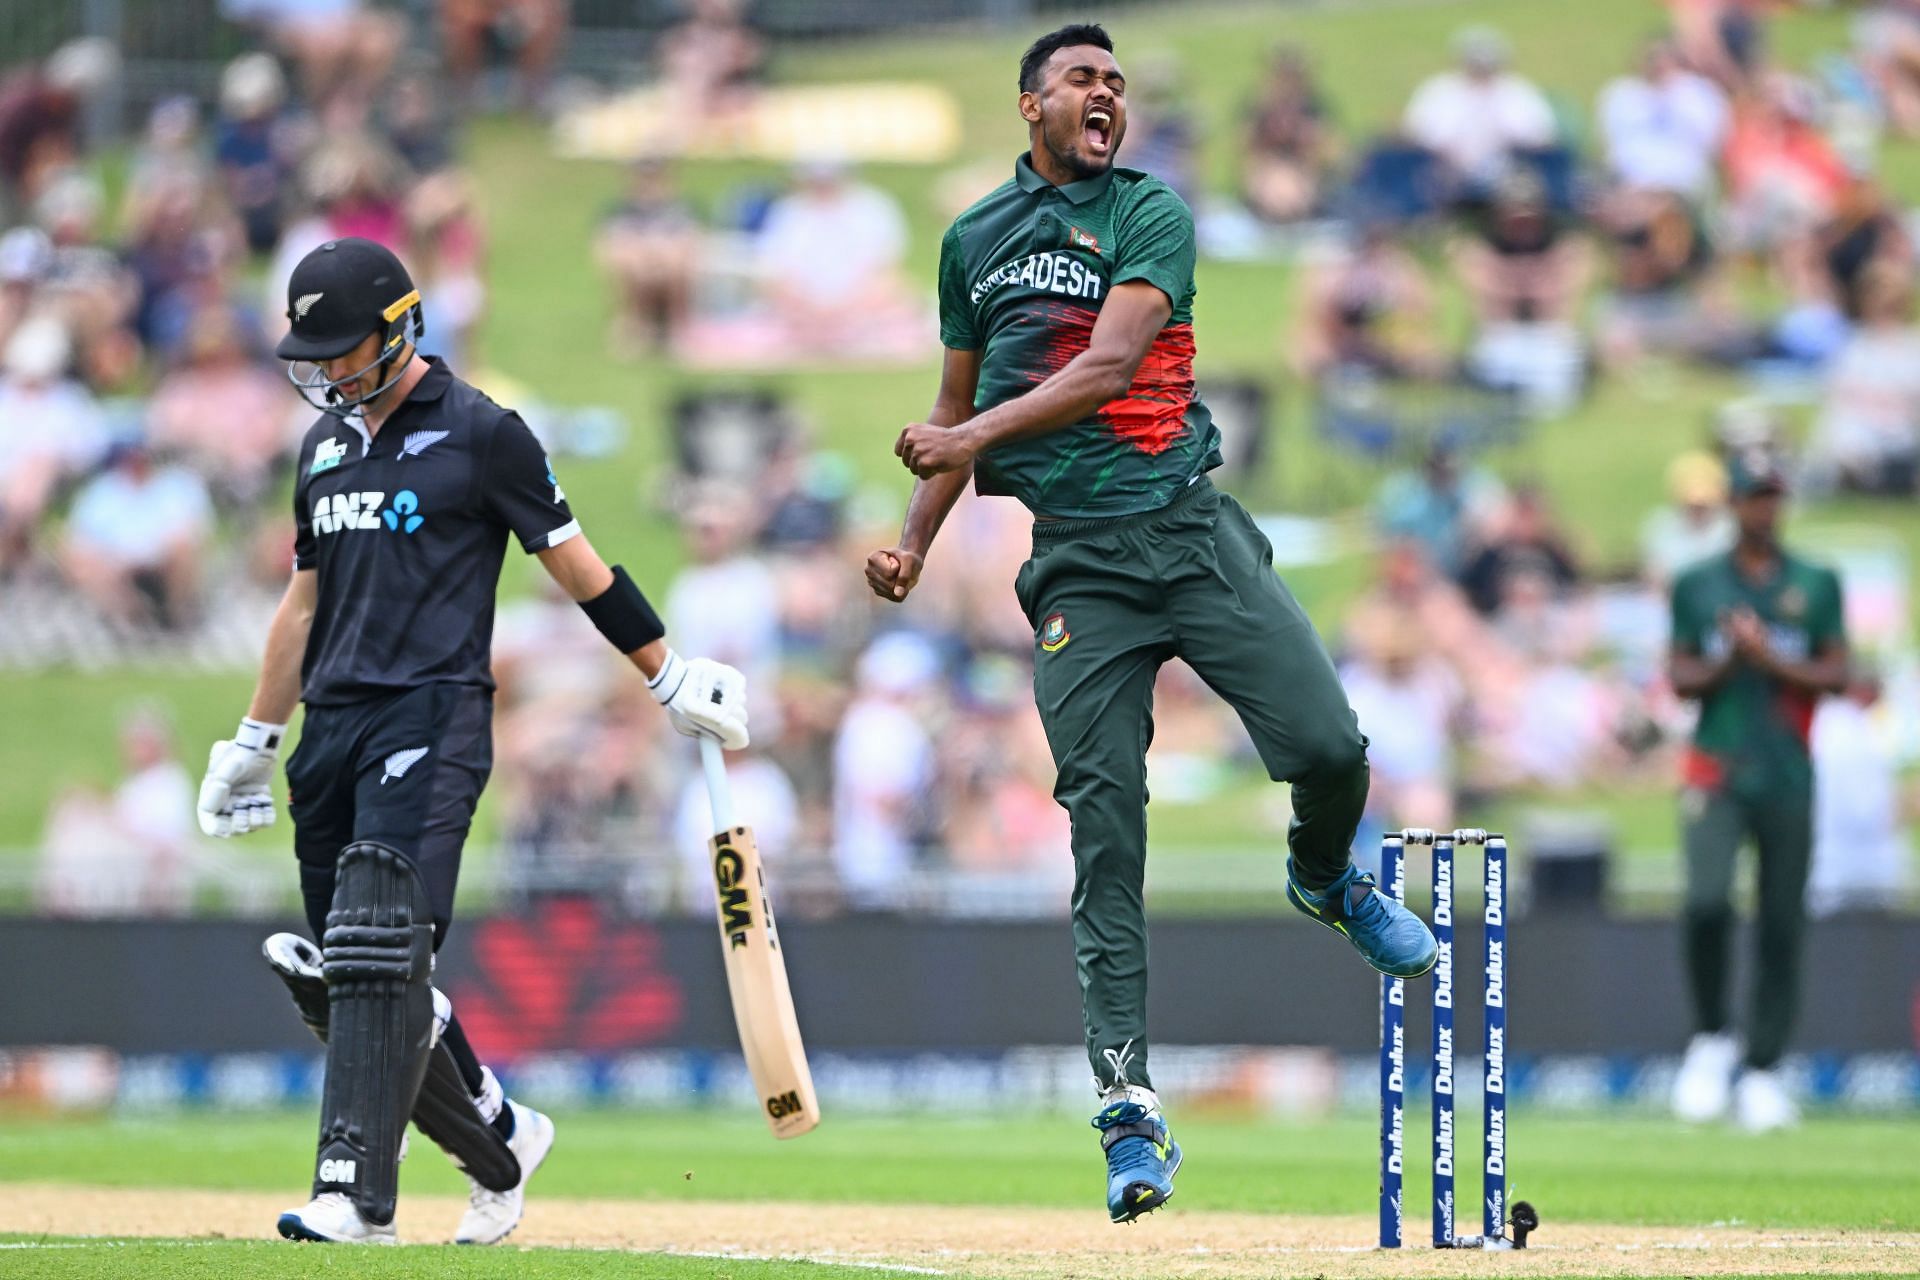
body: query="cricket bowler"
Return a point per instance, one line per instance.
(1066, 311)
(407, 487)
(1759, 635)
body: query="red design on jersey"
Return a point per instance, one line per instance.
(1797, 709)
(1698, 769)
(1152, 416)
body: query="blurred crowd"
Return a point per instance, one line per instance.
(1708, 207)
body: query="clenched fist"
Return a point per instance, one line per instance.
(928, 450)
(893, 572)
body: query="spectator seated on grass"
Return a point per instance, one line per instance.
(255, 145)
(178, 236)
(1664, 127)
(1525, 272)
(224, 411)
(720, 602)
(885, 771)
(1444, 506)
(585, 794)
(1723, 39)
(997, 775)
(84, 282)
(1784, 178)
(25, 255)
(41, 118)
(1524, 539)
(446, 253)
(343, 49)
(51, 431)
(1368, 309)
(172, 144)
(1412, 708)
(130, 852)
(533, 30)
(712, 62)
(831, 257)
(414, 124)
(1478, 115)
(1830, 263)
(1665, 295)
(1694, 524)
(1290, 145)
(649, 247)
(1409, 592)
(1866, 436)
(1886, 38)
(137, 538)
(1163, 137)
(827, 282)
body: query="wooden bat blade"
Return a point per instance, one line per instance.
(757, 979)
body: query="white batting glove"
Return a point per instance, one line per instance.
(237, 795)
(703, 698)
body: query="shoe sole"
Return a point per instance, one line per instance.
(1309, 913)
(526, 1176)
(1155, 1200)
(292, 1227)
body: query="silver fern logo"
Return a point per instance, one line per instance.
(304, 303)
(400, 761)
(418, 442)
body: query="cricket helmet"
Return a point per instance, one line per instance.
(340, 293)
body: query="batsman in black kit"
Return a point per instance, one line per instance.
(407, 487)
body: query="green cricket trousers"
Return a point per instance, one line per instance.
(1110, 601)
(1716, 822)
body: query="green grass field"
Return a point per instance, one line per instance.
(1834, 1177)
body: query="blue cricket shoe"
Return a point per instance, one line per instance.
(1392, 939)
(1142, 1158)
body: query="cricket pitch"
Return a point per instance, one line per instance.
(998, 1242)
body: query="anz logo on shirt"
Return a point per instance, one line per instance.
(367, 509)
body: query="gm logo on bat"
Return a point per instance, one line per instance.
(736, 917)
(785, 1104)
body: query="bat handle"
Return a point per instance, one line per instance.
(718, 792)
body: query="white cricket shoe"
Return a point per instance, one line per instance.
(1761, 1104)
(1704, 1084)
(331, 1218)
(492, 1215)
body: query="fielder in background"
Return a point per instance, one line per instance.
(407, 487)
(1066, 310)
(1758, 637)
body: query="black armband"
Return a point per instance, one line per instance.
(623, 614)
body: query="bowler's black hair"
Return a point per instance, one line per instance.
(1074, 33)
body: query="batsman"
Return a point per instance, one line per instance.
(1066, 311)
(407, 487)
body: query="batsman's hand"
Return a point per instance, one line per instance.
(237, 794)
(894, 571)
(928, 450)
(703, 698)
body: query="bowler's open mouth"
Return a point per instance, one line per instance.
(1099, 130)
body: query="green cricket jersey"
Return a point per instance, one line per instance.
(1753, 729)
(1023, 275)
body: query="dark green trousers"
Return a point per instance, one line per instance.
(1716, 823)
(1110, 601)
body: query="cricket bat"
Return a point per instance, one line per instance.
(756, 967)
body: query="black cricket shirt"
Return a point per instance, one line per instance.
(407, 530)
